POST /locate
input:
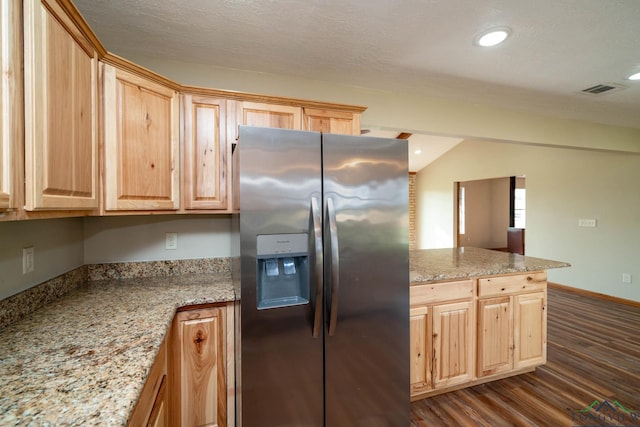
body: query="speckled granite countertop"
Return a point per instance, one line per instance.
(83, 359)
(462, 263)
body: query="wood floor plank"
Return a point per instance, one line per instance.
(593, 354)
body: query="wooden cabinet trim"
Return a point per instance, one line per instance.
(117, 61)
(271, 99)
(80, 24)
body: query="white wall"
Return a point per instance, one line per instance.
(142, 238)
(58, 246)
(563, 185)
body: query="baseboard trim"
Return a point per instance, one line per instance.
(594, 294)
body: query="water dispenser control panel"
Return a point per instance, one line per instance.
(279, 244)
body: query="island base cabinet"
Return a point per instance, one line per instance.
(441, 336)
(512, 323)
(470, 332)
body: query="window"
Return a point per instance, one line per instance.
(461, 214)
(519, 210)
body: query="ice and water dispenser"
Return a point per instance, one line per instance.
(283, 270)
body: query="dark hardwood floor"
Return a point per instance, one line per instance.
(593, 354)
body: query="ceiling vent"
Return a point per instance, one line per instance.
(602, 89)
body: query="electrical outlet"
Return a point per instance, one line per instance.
(626, 278)
(583, 222)
(171, 241)
(28, 260)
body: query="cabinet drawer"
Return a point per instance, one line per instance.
(514, 284)
(443, 291)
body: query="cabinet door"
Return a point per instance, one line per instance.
(269, 115)
(452, 344)
(205, 156)
(141, 143)
(421, 354)
(495, 335)
(530, 332)
(60, 69)
(328, 121)
(199, 392)
(10, 104)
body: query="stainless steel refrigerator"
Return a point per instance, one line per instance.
(324, 279)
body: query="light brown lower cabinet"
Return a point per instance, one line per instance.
(151, 408)
(471, 332)
(441, 325)
(190, 380)
(198, 368)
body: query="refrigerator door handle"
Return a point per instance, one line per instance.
(316, 224)
(335, 266)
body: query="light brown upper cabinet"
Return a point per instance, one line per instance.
(141, 142)
(61, 99)
(329, 121)
(205, 153)
(269, 115)
(10, 107)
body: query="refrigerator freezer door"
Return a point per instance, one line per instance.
(281, 360)
(367, 353)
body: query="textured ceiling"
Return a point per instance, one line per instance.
(557, 48)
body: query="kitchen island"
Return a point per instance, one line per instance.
(476, 315)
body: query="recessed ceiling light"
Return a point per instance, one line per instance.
(492, 37)
(635, 76)
(418, 151)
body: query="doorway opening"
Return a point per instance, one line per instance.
(491, 213)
